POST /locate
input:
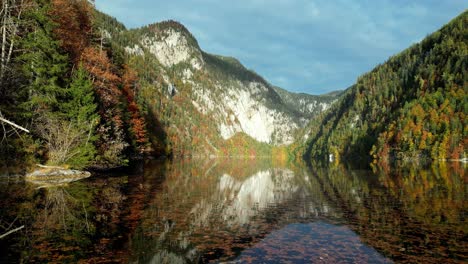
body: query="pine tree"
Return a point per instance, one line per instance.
(79, 102)
(79, 108)
(43, 65)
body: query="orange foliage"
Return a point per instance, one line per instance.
(73, 25)
(101, 70)
(137, 122)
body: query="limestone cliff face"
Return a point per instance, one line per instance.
(238, 109)
(220, 89)
(171, 47)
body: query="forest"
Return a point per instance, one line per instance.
(67, 77)
(412, 107)
(63, 82)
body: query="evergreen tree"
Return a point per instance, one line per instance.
(79, 108)
(411, 107)
(79, 104)
(43, 65)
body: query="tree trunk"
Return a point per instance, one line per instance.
(5, 18)
(9, 28)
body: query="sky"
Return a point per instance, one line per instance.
(310, 46)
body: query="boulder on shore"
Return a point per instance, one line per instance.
(55, 176)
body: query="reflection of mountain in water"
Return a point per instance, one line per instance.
(230, 210)
(201, 211)
(222, 210)
(244, 199)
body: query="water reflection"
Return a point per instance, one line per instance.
(242, 211)
(394, 218)
(315, 242)
(63, 223)
(226, 209)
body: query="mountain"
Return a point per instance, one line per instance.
(413, 106)
(207, 104)
(150, 90)
(154, 90)
(307, 105)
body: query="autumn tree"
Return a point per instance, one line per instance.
(74, 25)
(137, 122)
(111, 131)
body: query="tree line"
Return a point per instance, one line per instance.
(413, 106)
(62, 81)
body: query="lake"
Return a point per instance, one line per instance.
(241, 211)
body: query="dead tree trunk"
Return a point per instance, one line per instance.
(10, 16)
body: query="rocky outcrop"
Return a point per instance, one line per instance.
(171, 47)
(55, 176)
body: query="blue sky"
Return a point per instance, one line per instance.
(311, 46)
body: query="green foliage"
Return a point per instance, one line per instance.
(80, 106)
(228, 67)
(300, 103)
(65, 141)
(161, 27)
(412, 106)
(64, 110)
(56, 97)
(43, 65)
(241, 145)
(80, 110)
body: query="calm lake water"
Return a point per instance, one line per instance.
(240, 211)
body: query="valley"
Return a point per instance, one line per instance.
(135, 144)
(154, 91)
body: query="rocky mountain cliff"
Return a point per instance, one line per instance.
(208, 104)
(306, 104)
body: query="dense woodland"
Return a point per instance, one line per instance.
(65, 76)
(414, 106)
(61, 81)
(88, 102)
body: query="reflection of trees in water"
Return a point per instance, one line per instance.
(63, 212)
(212, 210)
(81, 221)
(217, 209)
(392, 210)
(434, 194)
(63, 226)
(200, 211)
(15, 213)
(56, 219)
(86, 220)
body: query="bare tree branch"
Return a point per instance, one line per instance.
(13, 124)
(11, 231)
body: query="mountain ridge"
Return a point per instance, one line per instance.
(413, 106)
(212, 87)
(153, 90)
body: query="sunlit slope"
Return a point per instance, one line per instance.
(412, 106)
